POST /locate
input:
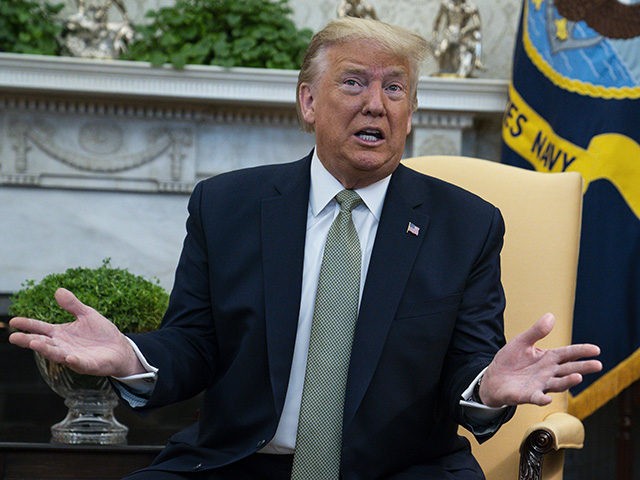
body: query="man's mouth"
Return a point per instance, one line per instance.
(370, 135)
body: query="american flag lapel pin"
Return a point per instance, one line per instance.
(413, 229)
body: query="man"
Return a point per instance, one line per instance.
(242, 321)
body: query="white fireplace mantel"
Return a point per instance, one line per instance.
(117, 78)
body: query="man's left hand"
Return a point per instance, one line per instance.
(523, 373)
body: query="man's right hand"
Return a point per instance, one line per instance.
(89, 345)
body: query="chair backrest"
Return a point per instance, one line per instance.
(542, 213)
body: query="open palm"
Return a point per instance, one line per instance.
(89, 345)
(523, 373)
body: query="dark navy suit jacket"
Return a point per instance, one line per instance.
(430, 320)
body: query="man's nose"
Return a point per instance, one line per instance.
(374, 100)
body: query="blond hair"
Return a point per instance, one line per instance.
(396, 40)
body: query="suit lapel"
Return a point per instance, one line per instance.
(284, 218)
(391, 262)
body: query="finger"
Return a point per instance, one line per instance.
(68, 301)
(38, 343)
(538, 330)
(563, 383)
(76, 364)
(540, 398)
(51, 352)
(20, 339)
(584, 367)
(48, 349)
(31, 325)
(570, 353)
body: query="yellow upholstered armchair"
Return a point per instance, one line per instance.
(542, 213)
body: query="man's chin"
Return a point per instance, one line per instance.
(371, 161)
(374, 167)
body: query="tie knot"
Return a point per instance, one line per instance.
(348, 200)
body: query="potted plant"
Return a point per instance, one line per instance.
(30, 26)
(131, 302)
(228, 33)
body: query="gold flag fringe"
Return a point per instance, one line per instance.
(607, 387)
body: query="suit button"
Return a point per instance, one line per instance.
(261, 443)
(198, 466)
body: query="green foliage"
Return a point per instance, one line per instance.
(29, 26)
(247, 33)
(131, 302)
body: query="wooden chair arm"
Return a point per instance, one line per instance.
(557, 431)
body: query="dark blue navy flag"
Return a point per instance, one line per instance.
(574, 105)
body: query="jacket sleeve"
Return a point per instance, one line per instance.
(184, 348)
(479, 330)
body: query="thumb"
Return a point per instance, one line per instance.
(70, 302)
(538, 330)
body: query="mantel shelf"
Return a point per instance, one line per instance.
(21, 73)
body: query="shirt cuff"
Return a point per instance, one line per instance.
(137, 389)
(484, 419)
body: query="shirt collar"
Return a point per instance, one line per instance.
(324, 187)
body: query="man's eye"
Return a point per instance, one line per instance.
(395, 88)
(351, 82)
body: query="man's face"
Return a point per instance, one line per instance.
(360, 107)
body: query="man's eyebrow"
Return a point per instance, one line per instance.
(398, 72)
(394, 72)
(354, 70)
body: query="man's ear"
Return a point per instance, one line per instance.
(307, 104)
